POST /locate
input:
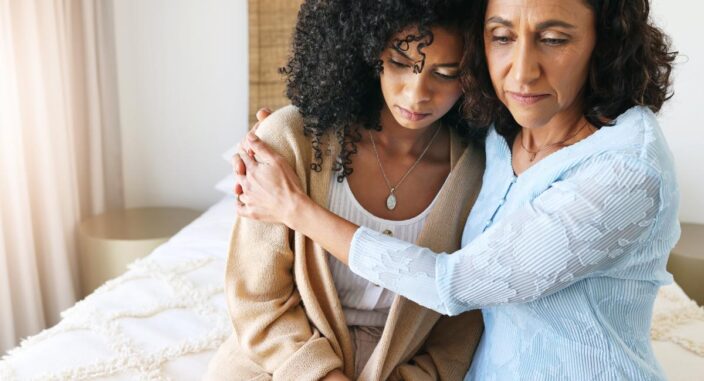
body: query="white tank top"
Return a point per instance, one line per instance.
(364, 303)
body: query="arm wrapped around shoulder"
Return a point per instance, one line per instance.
(597, 220)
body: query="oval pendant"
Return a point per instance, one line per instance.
(391, 202)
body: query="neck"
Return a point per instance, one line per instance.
(398, 140)
(556, 130)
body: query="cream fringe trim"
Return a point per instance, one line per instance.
(679, 310)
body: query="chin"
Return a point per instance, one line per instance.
(414, 125)
(529, 118)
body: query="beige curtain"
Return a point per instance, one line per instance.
(59, 152)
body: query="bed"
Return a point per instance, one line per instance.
(165, 317)
(161, 320)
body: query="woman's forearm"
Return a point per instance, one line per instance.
(329, 230)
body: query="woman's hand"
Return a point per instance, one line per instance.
(271, 190)
(237, 164)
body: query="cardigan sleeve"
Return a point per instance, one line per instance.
(598, 214)
(264, 303)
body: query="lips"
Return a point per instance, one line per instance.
(410, 115)
(527, 98)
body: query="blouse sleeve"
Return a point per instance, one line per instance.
(582, 225)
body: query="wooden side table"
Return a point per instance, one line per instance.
(110, 241)
(686, 261)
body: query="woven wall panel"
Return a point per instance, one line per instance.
(271, 24)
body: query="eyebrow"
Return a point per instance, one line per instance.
(498, 20)
(552, 23)
(543, 25)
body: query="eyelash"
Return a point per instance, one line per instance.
(502, 40)
(398, 64)
(447, 77)
(554, 41)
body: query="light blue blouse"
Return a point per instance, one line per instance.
(564, 260)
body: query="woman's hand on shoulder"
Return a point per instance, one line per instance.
(266, 186)
(238, 166)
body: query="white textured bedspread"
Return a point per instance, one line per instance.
(161, 320)
(165, 317)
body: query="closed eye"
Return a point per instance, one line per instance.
(501, 40)
(554, 41)
(398, 64)
(447, 76)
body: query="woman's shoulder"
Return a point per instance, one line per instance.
(283, 132)
(635, 135)
(283, 125)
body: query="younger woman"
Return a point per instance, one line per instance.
(375, 136)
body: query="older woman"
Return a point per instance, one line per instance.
(567, 244)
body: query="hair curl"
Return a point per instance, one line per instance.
(631, 65)
(332, 75)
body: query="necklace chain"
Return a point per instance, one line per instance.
(391, 200)
(534, 153)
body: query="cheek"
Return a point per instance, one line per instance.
(448, 96)
(391, 83)
(498, 64)
(569, 76)
(386, 86)
(455, 94)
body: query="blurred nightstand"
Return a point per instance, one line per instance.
(110, 241)
(687, 261)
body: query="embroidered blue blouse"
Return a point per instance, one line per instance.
(564, 260)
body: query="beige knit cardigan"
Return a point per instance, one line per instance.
(288, 320)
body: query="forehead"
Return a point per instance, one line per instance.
(575, 12)
(446, 41)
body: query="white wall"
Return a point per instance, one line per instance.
(682, 117)
(182, 77)
(182, 68)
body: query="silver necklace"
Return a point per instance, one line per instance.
(391, 200)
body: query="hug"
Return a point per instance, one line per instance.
(472, 190)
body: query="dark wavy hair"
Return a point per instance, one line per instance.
(332, 75)
(631, 65)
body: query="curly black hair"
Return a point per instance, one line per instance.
(631, 65)
(332, 75)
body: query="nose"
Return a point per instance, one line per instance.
(417, 89)
(525, 68)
